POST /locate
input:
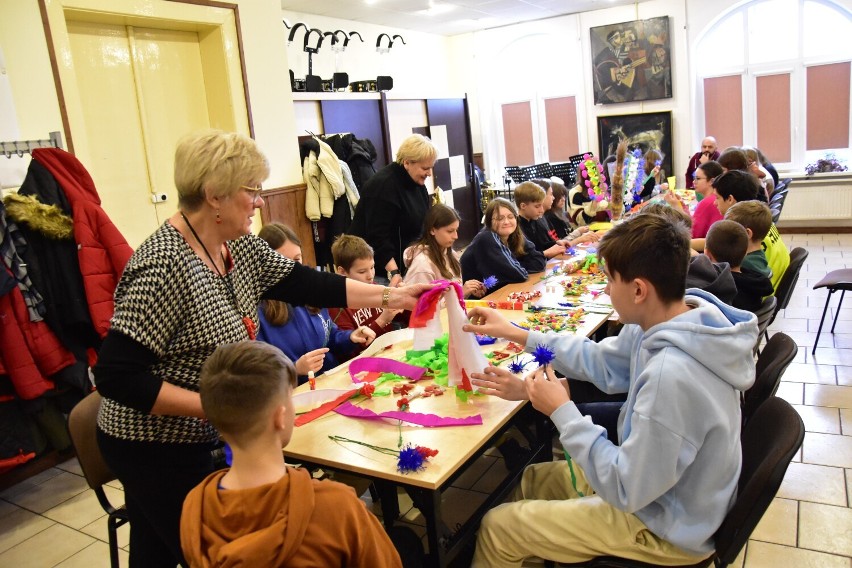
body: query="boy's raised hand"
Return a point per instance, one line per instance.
(363, 335)
(474, 288)
(499, 382)
(487, 321)
(545, 391)
(311, 361)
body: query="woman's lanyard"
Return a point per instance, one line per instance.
(247, 321)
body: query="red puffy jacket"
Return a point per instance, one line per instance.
(102, 250)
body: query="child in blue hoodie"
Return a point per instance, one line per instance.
(307, 335)
(660, 493)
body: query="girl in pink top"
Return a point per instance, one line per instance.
(706, 213)
(433, 258)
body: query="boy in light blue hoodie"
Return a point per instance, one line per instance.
(659, 495)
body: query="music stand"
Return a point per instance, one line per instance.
(539, 171)
(565, 172)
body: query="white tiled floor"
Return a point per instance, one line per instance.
(53, 519)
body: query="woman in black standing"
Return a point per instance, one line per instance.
(393, 204)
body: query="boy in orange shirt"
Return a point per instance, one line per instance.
(261, 512)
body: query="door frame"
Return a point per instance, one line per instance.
(217, 24)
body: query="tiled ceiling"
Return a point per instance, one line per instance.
(446, 17)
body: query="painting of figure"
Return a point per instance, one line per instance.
(632, 61)
(646, 131)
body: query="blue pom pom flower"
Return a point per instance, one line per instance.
(517, 367)
(490, 282)
(543, 355)
(409, 460)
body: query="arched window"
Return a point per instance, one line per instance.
(776, 74)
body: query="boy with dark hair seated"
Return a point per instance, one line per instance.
(660, 494)
(533, 200)
(261, 512)
(727, 241)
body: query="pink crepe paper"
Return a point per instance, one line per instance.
(428, 301)
(428, 420)
(382, 365)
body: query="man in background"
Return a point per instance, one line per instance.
(709, 151)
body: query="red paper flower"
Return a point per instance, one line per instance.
(402, 403)
(425, 452)
(367, 390)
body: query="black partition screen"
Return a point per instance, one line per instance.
(453, 114)
(361, 118)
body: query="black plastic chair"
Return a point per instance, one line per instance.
(769, 441)
(788, 282)
(81, 427)
(764, 314)
(783, 185)
(834, 281)
(776, 356)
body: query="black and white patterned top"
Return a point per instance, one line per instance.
(169, 301)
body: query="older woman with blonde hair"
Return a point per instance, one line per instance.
(192, 285)
(393, 205)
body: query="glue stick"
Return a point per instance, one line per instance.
(312, 380)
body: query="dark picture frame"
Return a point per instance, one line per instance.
(645, 131)
(631, 61)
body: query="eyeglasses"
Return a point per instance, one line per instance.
(253, 192)
(502, 218)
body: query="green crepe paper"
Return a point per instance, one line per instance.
(389, 377)
(435, 359)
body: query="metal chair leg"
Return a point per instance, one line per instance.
(837, 313)
(822, 319)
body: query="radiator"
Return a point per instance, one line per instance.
(819, 198)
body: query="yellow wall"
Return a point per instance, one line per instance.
(22, 40)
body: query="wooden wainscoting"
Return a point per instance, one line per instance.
(287, 205)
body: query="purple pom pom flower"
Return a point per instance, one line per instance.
(490, 282)
(543, 355)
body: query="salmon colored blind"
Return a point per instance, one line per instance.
(773, 117)
(517, 134)
(561, 119)
(723, 110)
(828, 106)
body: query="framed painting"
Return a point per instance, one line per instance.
(632, 61)
(646, 131)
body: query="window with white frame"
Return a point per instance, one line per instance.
(776, 74)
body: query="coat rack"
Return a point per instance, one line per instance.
(21, 147)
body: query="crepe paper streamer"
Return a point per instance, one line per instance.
(382, 365)
(429, 301)
(324, 408)
(387, 341)
(312, 399)
(418, 418)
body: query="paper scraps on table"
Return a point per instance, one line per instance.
(383, 365)
(420, 419)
